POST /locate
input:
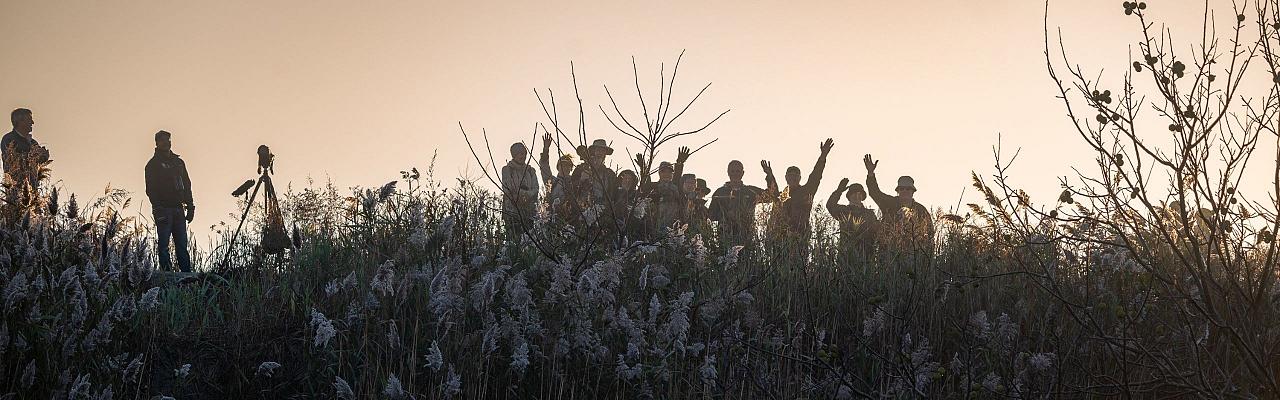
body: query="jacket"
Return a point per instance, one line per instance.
(167, 182)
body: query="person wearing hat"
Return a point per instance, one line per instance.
(557, 182)
(665, 197)
(733, 206)
(695, 203)
(790, 220)
(858, 224)
(901, 215)
(519, 190)
(593, 181)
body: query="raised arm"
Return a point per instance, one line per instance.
(681, 157)
(833, 202)
(884, 201)
(815, 176)
(544, 160)
(770, 182)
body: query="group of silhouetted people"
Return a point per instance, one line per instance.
(168, 185)
(589, 199)
(599, 204)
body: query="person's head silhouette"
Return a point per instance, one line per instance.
(793, 176)
(856, 193)
(519, 152)
(906, 188)
(164, 141)
(22, 120)
(665, 172)
(735, 171)
(689, 183)
(627, 179)
(598, 150)
(565, 165)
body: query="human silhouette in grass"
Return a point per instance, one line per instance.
(733, 205)
(858, 224)
(789, 223)
(558, 182)
(666, 197)
(519, 190)
(169, 190)
(593, 179)
(905, 221)
(23, 155)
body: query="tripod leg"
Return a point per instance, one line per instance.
(248, 206)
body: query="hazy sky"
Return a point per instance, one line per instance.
(356, 91)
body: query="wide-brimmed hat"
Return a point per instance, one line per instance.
(905, 182)
(601, 144)
(703, 190)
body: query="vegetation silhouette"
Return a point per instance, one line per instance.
(1151, 275)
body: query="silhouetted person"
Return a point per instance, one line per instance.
(666, 199)
(734, 204)
(593, 181)
(790, 220)
(519, 190)
(557, 183)
(695, 202)
(169, 189)
(689, 189)
(23, 155)
(905, 221)
(858, 224)
(624, 199)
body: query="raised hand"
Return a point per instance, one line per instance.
(826, 146)
(768, 167)
(871, 164)
(546, 141)
(844, 184)
(683, 154)
(640, 162)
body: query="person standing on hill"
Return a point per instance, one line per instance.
(624, 205)
(169, 189)
(733, 205)
(593, 181)
(790, 220)
(519, 191)
(858, 224)
(557, 183)
(905, 221)
(666, 198)
(23, 155)
(693, 210)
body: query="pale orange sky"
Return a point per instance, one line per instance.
(357, 91)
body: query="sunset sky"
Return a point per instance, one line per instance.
(356, 91)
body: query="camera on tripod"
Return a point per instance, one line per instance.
(275, 239)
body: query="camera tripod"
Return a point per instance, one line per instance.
(274, 238)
